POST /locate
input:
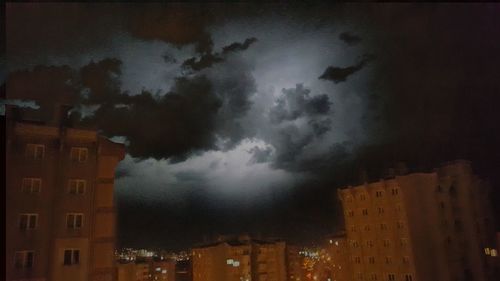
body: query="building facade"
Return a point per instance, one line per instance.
(60, 213)
(241, 259)
(419, 226)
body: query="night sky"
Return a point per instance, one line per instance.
(246, 118)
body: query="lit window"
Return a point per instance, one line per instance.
(229, 261)
(31, 185)
(71, 256)
(79, 154)
(236, 263)
(24, 259)
(77, 186)
(28, 221)
(35, 151)
(158, 269)
(164, 271)
(493, 253)
(74, 220)
(487, 251)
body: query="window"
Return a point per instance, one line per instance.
(373, 276)
(379, 193)
(387, 243)
(353, 228)
(348, 198)
(24, 259)
(383, 226)
(28, 221)
(408, 277)
(371, 260)
(71, 256)
(74, 220)
(77, 186)
(79, 154)
(31, 185)
(391, 277)
(350, 213)
(35, 151)
(406, 259)
(400, 224)
(362, 196)
(365, 212)
(388, 260)
(369, 243)
(395, 191)
(367, 227)
(380, 210)
(357, 259)
(403, 242)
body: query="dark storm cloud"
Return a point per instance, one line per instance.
(178, 24)
(44, 84)
(236, 46)
(295, 103)
(259, 155)
(340, 74)
(207, 58)
(190, 109)
(205, 61)
(101, 80)
(350, 39)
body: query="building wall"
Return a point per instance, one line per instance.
(337, 248)
(421, 226)
(95, 238)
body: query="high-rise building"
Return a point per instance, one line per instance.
(420, 226)
(241, 259)
(294, 263)
(339, 257)
(60, 214)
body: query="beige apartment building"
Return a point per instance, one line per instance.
(337, 247)
(147, 270)
(60, 214)
(241, 259)
(294, 263)
(419, 226)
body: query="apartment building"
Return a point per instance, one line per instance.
(419, 226)
(60, 214)
(239, 259)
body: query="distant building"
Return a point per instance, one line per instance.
(162, 270)
(294, 263)
(60, 214)
(420, 226)
(241, 259)
(183, 270)
(339, 260)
